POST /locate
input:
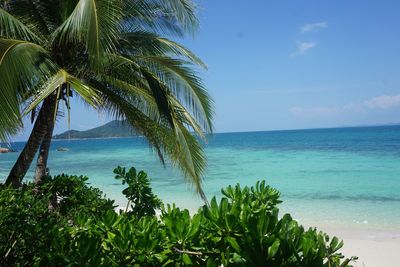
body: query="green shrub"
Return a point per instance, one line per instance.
(27, 228)
(243, 228)
(246, 225)
(74, 195)
(141, 200)
(30, 231)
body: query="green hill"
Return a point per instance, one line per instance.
(114, 128)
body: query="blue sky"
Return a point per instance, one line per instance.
(293, 64)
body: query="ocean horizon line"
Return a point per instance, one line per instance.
(233, 132)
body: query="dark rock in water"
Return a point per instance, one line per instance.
(62, 149)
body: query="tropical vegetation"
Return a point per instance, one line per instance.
(113, 55)
(243, 228)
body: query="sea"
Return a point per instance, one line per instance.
(338, 177)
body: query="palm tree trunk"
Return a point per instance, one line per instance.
(41, 165)
(27, 155)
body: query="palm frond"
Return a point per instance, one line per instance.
(56, 83)
(189, 157)
(174, 17)
(142, 97)
(23, 65)
(185, 117)
(179, 51)
(185, 13)
(161, 96)
(183, 149)
(147, 43)
(30, 13)
(110, 53)
(186, 85)
(12, 28)
(43, 16)
(171, 74)
(145, 15)
(93, 23)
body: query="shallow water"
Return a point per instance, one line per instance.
(336, 177)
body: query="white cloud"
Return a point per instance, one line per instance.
(302, 48)
(383, 102)
(379, 102)
(314, 26)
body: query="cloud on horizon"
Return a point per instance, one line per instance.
(302, 48)
(379, 102)
(383, 102)
(314, 26)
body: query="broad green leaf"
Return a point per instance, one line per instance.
(273, 249)
(186, 259)
(232, 241)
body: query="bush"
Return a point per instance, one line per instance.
(141, 200)
(30, 230)
(74, 195)
(242, 229)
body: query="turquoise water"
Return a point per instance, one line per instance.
(328, 177)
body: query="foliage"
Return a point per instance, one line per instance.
(139, 193)
(243, 228)
(74, 196)
(116, 57)
(246, 224)
(30, 231)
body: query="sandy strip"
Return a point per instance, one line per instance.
(374, 248)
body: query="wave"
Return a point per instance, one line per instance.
(356, 198)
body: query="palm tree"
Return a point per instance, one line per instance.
(109, 53)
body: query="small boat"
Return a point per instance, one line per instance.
(62, 149)
(4, 150)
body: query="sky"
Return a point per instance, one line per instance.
(291, 64)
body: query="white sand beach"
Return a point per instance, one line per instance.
(374, 248)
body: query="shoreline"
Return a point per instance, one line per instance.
(374, 248)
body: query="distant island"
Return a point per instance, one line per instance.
(114, 128)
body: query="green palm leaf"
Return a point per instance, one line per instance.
(184, 11)
(92, 23)
(13, 28)
(112, 55)
(186, 84)
(174, 75)
(179, 144)
(162, 16)
(55, 83)
(31, 64)
(43, 16)
(141, 42)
